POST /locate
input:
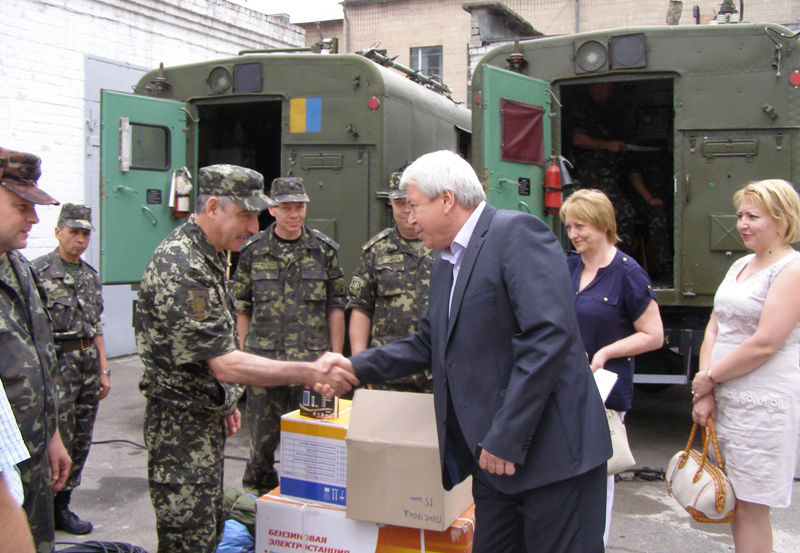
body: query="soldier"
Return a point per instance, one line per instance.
(599, 158)
(290, 299)
(75, 302)
(389, 290)
(28, 362)
(186, 334)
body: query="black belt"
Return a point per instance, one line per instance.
(75, 344)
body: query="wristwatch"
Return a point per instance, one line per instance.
(106, 372)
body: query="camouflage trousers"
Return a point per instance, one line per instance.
(185, 469)
(658, 220)
(262, 415)
(624, 211)
(78, 384)
(38, 505)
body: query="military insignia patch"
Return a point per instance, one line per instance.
(197, 304)
(356, 284)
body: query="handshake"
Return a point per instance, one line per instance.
(333, 374)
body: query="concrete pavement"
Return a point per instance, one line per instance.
(113, 494)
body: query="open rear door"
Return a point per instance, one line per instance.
(516, 139)
(142, 141)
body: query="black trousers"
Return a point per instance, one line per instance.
(563, 517)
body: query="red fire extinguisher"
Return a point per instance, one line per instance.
(552, 187)
(181, 193)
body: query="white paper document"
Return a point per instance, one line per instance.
(605, 381)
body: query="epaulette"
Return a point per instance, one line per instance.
(380, 236)
(250, 240)
(325, 238)
(88, 265)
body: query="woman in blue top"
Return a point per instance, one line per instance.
(617, 311)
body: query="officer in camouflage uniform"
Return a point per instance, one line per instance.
(290, 299)
(186, 334)
(598, 159)
(75, 302)
(28, 361)
(389, 290)
(652, 176)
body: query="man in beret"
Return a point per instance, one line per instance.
(187, 338)
(290, 298)
(28, 363)
(75, 302)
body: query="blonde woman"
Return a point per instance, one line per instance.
(748, 375)
(614, 300)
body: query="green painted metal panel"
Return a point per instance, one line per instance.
(512, 185)
(142, 141)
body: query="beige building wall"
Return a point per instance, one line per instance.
(399, 25)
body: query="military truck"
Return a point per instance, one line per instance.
(342, 122)
(727, 95)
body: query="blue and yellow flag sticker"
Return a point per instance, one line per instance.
(305, 115)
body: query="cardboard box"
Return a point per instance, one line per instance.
(393, 473)
(314, 456)
(285, 525)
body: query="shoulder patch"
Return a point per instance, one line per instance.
(197, 304)
(325, 238)
(356, 285)
(380, 236)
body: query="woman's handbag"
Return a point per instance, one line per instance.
(700, 486)
(622, 458)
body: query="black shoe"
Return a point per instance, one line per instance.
(65, 519)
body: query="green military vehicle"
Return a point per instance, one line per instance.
(728, 96)
(342, 122)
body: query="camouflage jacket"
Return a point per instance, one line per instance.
(390, 284)
(184, 316)
(594, 165)
(28, 362)
(287, 296)
(74, 305)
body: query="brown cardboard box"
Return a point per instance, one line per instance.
(285, 525)
(393, 474)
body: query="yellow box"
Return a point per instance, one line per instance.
(314, 456)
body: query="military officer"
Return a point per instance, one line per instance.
(389, 290)
(28, 361)
(75, 302)
(290, 299)
(599, 158)
(186, 334)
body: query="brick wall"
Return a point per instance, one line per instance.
(43, 45)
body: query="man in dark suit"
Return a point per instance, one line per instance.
(516, 405)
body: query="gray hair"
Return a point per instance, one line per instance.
(202, 200)
(436, 172)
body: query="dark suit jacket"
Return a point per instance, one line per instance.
(509, 357)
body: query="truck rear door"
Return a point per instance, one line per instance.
(516, 139)
(142, 142)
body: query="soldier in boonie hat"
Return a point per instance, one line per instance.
(19, 172)
(288, 189)
(76, 216)
(394, 186)
(244, 186)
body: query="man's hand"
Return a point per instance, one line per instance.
(233, 423)
(59, 460)
(105, 385)
(335, 376)
(495, 465)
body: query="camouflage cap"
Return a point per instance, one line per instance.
(244, 186)
(288, 189)
(76, 216)
(395, 191)
(19, 172)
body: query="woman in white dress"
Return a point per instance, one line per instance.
(749, 372)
